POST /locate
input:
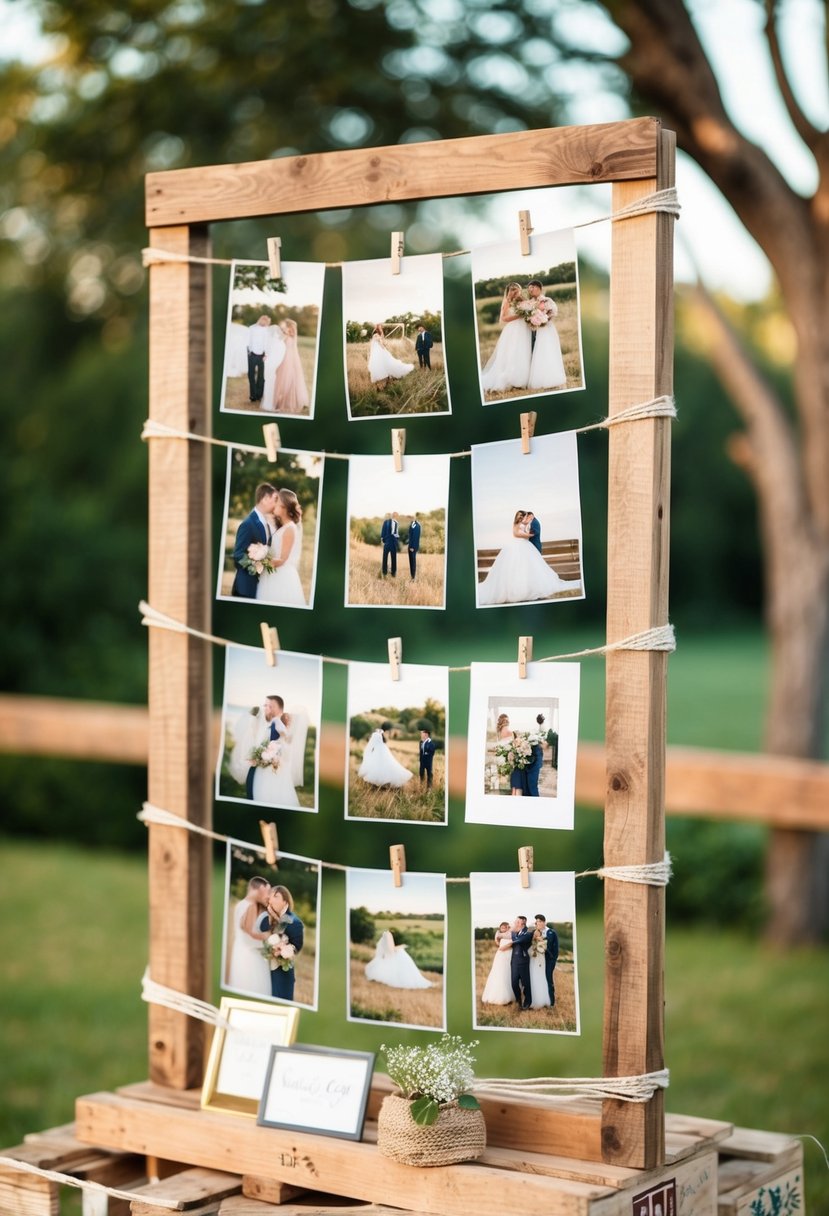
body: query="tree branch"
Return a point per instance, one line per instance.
(810, 135)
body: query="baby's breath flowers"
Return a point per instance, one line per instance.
(433, 1076)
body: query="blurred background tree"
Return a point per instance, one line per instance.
(106, 95)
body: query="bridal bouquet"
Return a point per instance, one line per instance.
(267, 755)
(258, 560)
(535, 312)
(277, 949)
(538, 946)
(512, 754)
(535, 738)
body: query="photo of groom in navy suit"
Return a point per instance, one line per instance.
(520, 962)
(413, 544)
(535, 530)
(253, 530)
(423, 347)
(281, 918)
(389, 538)
(427, 757)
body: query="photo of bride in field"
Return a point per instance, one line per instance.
(393, 348)
(524, 952)
(271, 341)
(396, 542)
(527, 317)
(396, 939)
(396, 764)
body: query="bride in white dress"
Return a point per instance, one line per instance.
(284, 586)
(539, 992)
(382, 364)
(392, 966)
(519, 572)
(509, 364)
(379, 766)
(498, 986)
(547, 366)
(249, 970)
(286, 734)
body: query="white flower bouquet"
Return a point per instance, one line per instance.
(512, 754)
(267, 755)
(277, 949)
(435, 1076)
(258, 560)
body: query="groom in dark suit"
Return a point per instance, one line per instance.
(423, 346)
(520, 961)
(427, 757)
(551, 957)
(389, 536)
(535, 531)
(413, 545)
(281, 918)
(533, 770)
(253, 530)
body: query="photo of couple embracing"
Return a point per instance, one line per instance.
(526, 759)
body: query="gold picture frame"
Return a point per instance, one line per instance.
(239, 1054)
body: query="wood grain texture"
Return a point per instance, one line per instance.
(180, 667)
(482, 164)
(641, 348)
(743, 786)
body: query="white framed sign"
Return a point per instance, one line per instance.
(317, 1090)
(240, 1052)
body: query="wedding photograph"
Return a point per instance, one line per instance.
(270, 529)
(393, 341)
(526, 521)
(272, 339)
(528, 318)
(396, 532)
(524, 952)
(270, 927)
(523, 737)
(396, 939)
(270, 730)
(397, 762)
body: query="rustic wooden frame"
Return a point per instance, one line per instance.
(638, 158)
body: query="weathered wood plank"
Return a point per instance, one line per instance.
(483, 164)
(180, 755)
(641, 348)
(191, 1190)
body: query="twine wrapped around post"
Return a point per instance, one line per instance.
(456, 1135)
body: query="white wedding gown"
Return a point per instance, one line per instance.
(382, 363)
(275, 787)
(539, 992)
(283, 586)
(498, 987)
(509, 364)
(249, 970)
(237, 350)
(392, 966)
(520, 573)
(379, 766)
(547, 365)
(274, 354)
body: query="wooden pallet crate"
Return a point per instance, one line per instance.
(761, 1174)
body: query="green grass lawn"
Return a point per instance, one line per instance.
(746, 1028)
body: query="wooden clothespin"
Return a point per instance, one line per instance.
(272, 441)
(525, 655)
(397, 239)
(397, 857)
(395, 656)
(270, 640)
(398, 447)
(275, 257)
(524, 229)
(527, 431)
(525, 864)
(268, 831)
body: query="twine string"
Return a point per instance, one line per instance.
(664, 201)
(651, 874)
(86, 1184)
(625, 1089)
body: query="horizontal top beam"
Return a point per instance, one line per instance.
(484, 164)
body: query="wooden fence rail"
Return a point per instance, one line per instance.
(753, 788)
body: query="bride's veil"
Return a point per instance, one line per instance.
(385, 947)
(246, 732)
(299, 734)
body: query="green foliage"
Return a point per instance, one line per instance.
(248, 471)
(424, 1111)
(306, 316)
(362, 927)
(553, 276)
(360, 728)
(432, 537)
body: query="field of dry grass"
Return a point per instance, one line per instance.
(305, 964)
(413, 803)
(237, 390)
(306, 561)
(366, 585)
(567, 326)
(406, 1006)
(418, 392)
(562, 1017)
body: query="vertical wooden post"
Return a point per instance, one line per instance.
(641, 367)
(180, 666)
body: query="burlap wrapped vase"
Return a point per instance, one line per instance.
(456, 1135)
